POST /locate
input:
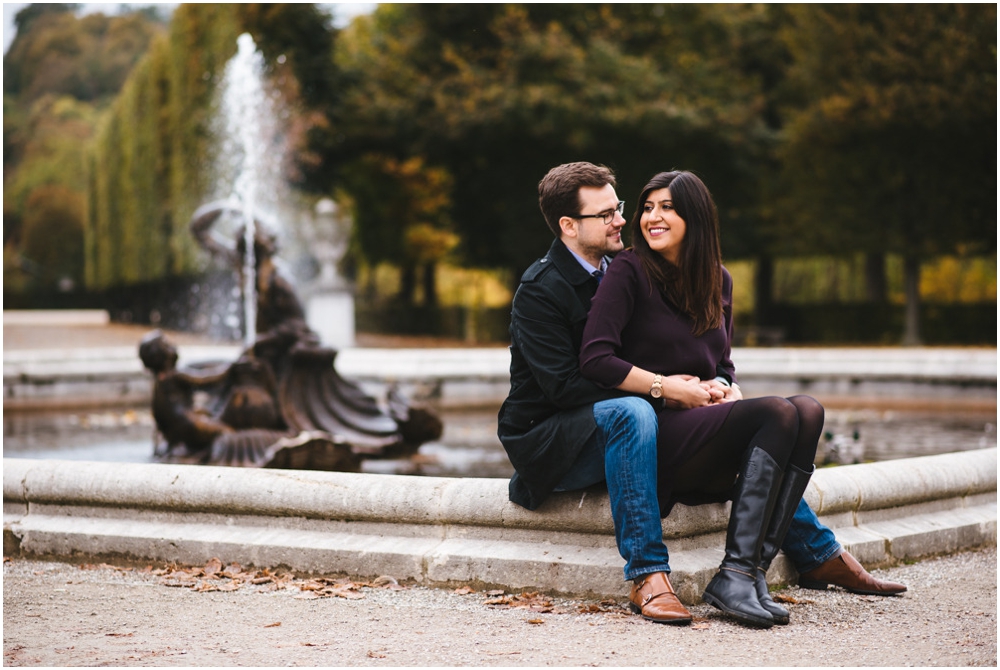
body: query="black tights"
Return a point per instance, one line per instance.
(788, 429)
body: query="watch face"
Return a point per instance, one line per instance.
(656, 392)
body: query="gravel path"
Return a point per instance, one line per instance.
(56, 614)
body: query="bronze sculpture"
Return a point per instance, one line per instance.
(282, 403)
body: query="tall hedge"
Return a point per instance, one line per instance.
(150, 161)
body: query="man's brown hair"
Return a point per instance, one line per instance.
(559, 190)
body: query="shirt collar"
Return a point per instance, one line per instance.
(586, 265)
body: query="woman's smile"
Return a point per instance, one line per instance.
(662, 227)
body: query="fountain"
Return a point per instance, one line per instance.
(282, 403)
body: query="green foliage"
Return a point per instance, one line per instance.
(836, 130)
(497, 94)
(301, 35)
(24, 19)
(53, 234)
(46, 141)
(153, 155)
(151, 151)
(87, 58)
(891, 144)
(58, 73)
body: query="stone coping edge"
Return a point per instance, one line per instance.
(56, 317)
(404, 499)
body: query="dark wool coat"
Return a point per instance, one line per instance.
(548, 417)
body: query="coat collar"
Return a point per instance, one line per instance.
(566, 263)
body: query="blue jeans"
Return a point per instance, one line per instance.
(809, 543)
(627, 461)
(628, 464)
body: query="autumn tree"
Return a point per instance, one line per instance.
(413, 200)
(498, 94)
(87, 58)
(59, 74)
(891, 144)
(151, 163)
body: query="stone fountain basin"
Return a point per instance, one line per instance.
(441, 531)
(480, 376)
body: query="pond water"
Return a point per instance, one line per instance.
(469, 446)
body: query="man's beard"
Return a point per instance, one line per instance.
(608, 248)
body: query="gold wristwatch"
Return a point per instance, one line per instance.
(656, 390)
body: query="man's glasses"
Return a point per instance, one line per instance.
(607, 216)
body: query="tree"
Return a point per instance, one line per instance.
(88, 58)
(53, 236)
(58, 75)
(891, 146)
(498, 94)
(151, 161)
(413, 199)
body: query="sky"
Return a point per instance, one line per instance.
(342, 13)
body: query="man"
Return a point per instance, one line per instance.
(562, 432)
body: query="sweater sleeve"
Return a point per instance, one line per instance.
(725, 366)
(610, 311)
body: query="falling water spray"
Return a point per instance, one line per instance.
(246, 111)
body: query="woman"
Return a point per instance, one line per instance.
(661, 326)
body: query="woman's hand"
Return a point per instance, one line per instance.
(685, 392)
(722, 393)
(679, 391)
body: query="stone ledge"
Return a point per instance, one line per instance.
(480, 377)
(56, 317)
(441, 531)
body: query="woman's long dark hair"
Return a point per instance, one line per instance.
(694, 285)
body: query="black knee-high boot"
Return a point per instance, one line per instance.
(733, 589)
(792, 487)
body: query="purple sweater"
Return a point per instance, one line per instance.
(631, 324)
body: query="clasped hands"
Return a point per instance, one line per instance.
(688, 391)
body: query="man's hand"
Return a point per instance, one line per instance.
(722, 393)
(685, 392)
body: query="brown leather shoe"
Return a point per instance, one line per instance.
(653, 597)
(845, 571)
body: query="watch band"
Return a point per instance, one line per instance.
(656, 390)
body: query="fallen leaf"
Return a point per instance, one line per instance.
(233, 570)
(375, 654)
(206, 587)
(385, 580)
(495, 592)
(184, 584)
(213, 566)
(119, 634)
(463, 591)
(791, 600)
(346, 594)
(536, 621)
(273, 625)
(701, 625)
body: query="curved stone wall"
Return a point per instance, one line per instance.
(441, 530)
